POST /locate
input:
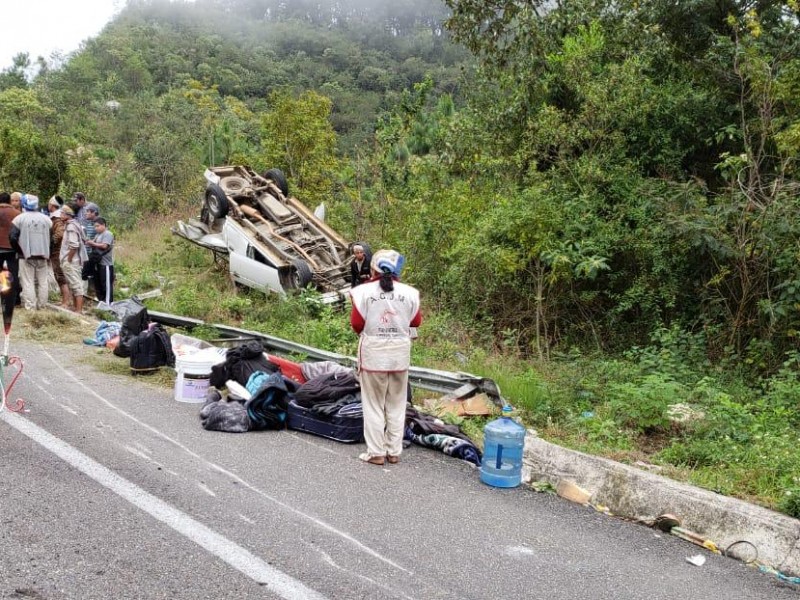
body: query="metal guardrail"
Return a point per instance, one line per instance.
(444, 382)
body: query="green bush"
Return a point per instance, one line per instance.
(237, 306)
(605, 435)
(642, 404)
(673, 350)
(790, 502)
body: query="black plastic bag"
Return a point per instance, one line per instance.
(132, 315)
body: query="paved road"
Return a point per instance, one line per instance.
(111, 489)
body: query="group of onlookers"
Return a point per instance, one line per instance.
(70, 239)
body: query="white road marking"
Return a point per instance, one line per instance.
(234, 555)
(143, 448)
(332, 563)
(518, 551)
(207, 490)
(138, 453)
(44, 390)
(249, 486)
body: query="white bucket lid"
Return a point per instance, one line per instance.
(201, 361)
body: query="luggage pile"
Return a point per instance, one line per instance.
(264, 391)
(253, 390)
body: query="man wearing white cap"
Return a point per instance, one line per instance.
(30, 235)
(384, 314)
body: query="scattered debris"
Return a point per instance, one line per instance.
(465, 391)
(648, 466)
(691, 536)
(477, 405)
(151, 294)
(779, 575)
(569, 490)
(736, 550)
(666, 522)
(602, 509)
(542, 486)
(698, 560)
(669, 523)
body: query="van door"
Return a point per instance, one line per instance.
(248, 266)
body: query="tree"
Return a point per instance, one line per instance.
(14, 76)
(297, 136)
(30, 148)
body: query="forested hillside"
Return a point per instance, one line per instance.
(592, 172)
(610, 168)
(193, 81)
(567, 178)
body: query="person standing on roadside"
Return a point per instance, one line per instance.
(8, 256)
(72, 256)
(79, 206)
(104, 275)
(30, 235)
(16, 200)
(54, 207)
(91, 211)
(383, 314)
(360, 271)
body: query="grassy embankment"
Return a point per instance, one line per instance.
(735, 436)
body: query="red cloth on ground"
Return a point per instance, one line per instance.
(289, 368)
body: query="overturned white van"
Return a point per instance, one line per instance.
(272, 242)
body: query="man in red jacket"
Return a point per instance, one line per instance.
(8, 256)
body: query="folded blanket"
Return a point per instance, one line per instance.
(230, 417)
(268, 402)
(452, 446)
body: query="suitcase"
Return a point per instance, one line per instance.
(341, 429)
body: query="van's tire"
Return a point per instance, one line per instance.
(234, 185)
(300, 275)
(216, 201)
(279, 179)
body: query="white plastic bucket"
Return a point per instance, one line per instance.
(194, 374)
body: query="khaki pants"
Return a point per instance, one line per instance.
(33, 273)
(72, 271)
(383, 397)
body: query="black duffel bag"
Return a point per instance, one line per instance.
(150, 350)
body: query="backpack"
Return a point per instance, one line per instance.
(135, 319)
(150, 350)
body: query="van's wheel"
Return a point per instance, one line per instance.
(216, 201)
(299, 275)
(234, 185)
(279, 179)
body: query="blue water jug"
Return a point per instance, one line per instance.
(503, 440)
